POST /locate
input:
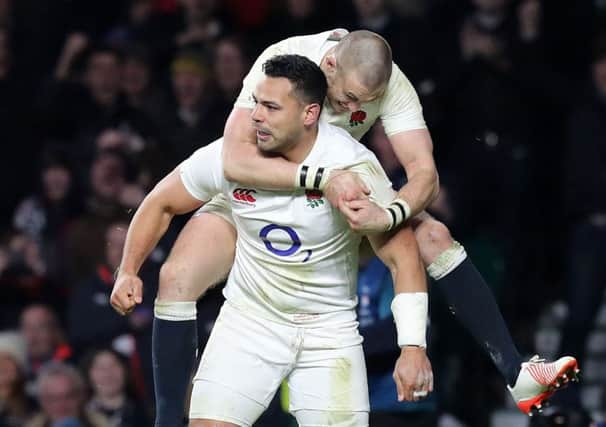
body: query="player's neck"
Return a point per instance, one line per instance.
(299, 151)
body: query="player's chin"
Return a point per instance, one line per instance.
(265, 145)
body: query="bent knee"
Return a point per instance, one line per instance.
(433, 238)
(177, 283)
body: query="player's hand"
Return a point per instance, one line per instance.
(127, 293)
(413, 374)
(345, 185)
(365, 216)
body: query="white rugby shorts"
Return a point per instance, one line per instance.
(218, 205)
(247, 358)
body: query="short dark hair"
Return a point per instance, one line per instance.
(308, 80)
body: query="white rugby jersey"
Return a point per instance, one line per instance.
(399, 107)
(296, 257)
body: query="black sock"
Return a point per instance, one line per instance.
(173, 357)
(472, 302)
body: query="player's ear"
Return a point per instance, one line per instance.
(331, 64)
(311, 114)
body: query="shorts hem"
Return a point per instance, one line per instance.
(294, 409)
(215, 417)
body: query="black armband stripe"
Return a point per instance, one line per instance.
(303, 176)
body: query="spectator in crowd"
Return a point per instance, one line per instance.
(15, 406)
(585, 160)
(146, 155)
(111, 194)
(231, 63)
(137, 81)
(24, 275)
(76, 106)
(185, 125)
(203, 22)
(76, 103)
(91, 300)
(107, 375)
(45, 215)
(62, 396)
(44, 339)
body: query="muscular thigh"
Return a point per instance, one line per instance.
(201, 257)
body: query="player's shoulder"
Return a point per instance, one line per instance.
(398, 83)
(342, 147)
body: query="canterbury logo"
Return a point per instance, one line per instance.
(244, 195)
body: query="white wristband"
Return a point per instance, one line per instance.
(399, 211)
(312, 177)
(410, 315)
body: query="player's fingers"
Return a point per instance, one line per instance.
(409, 389)
(399, 386)
(349, 213)
(408, 384)
(117, 309)
(422, 389)
(357, 204)
(137, 292)
(118, 302)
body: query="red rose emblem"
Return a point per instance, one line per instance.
(313, 194)
(357, 118)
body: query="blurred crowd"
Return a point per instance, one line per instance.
(99, 99)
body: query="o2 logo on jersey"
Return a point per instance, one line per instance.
(295, 241)
(244, 195)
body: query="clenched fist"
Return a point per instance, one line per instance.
(413, 374)
(127, 293)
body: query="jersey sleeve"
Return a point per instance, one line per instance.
(202, 172)
(401, 109)
(373, 175)
(245, 99)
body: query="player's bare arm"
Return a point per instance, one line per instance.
(413, 373)
(150, 222)
(414, 151)
(244, 163)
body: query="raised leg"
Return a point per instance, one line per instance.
(467, 295)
